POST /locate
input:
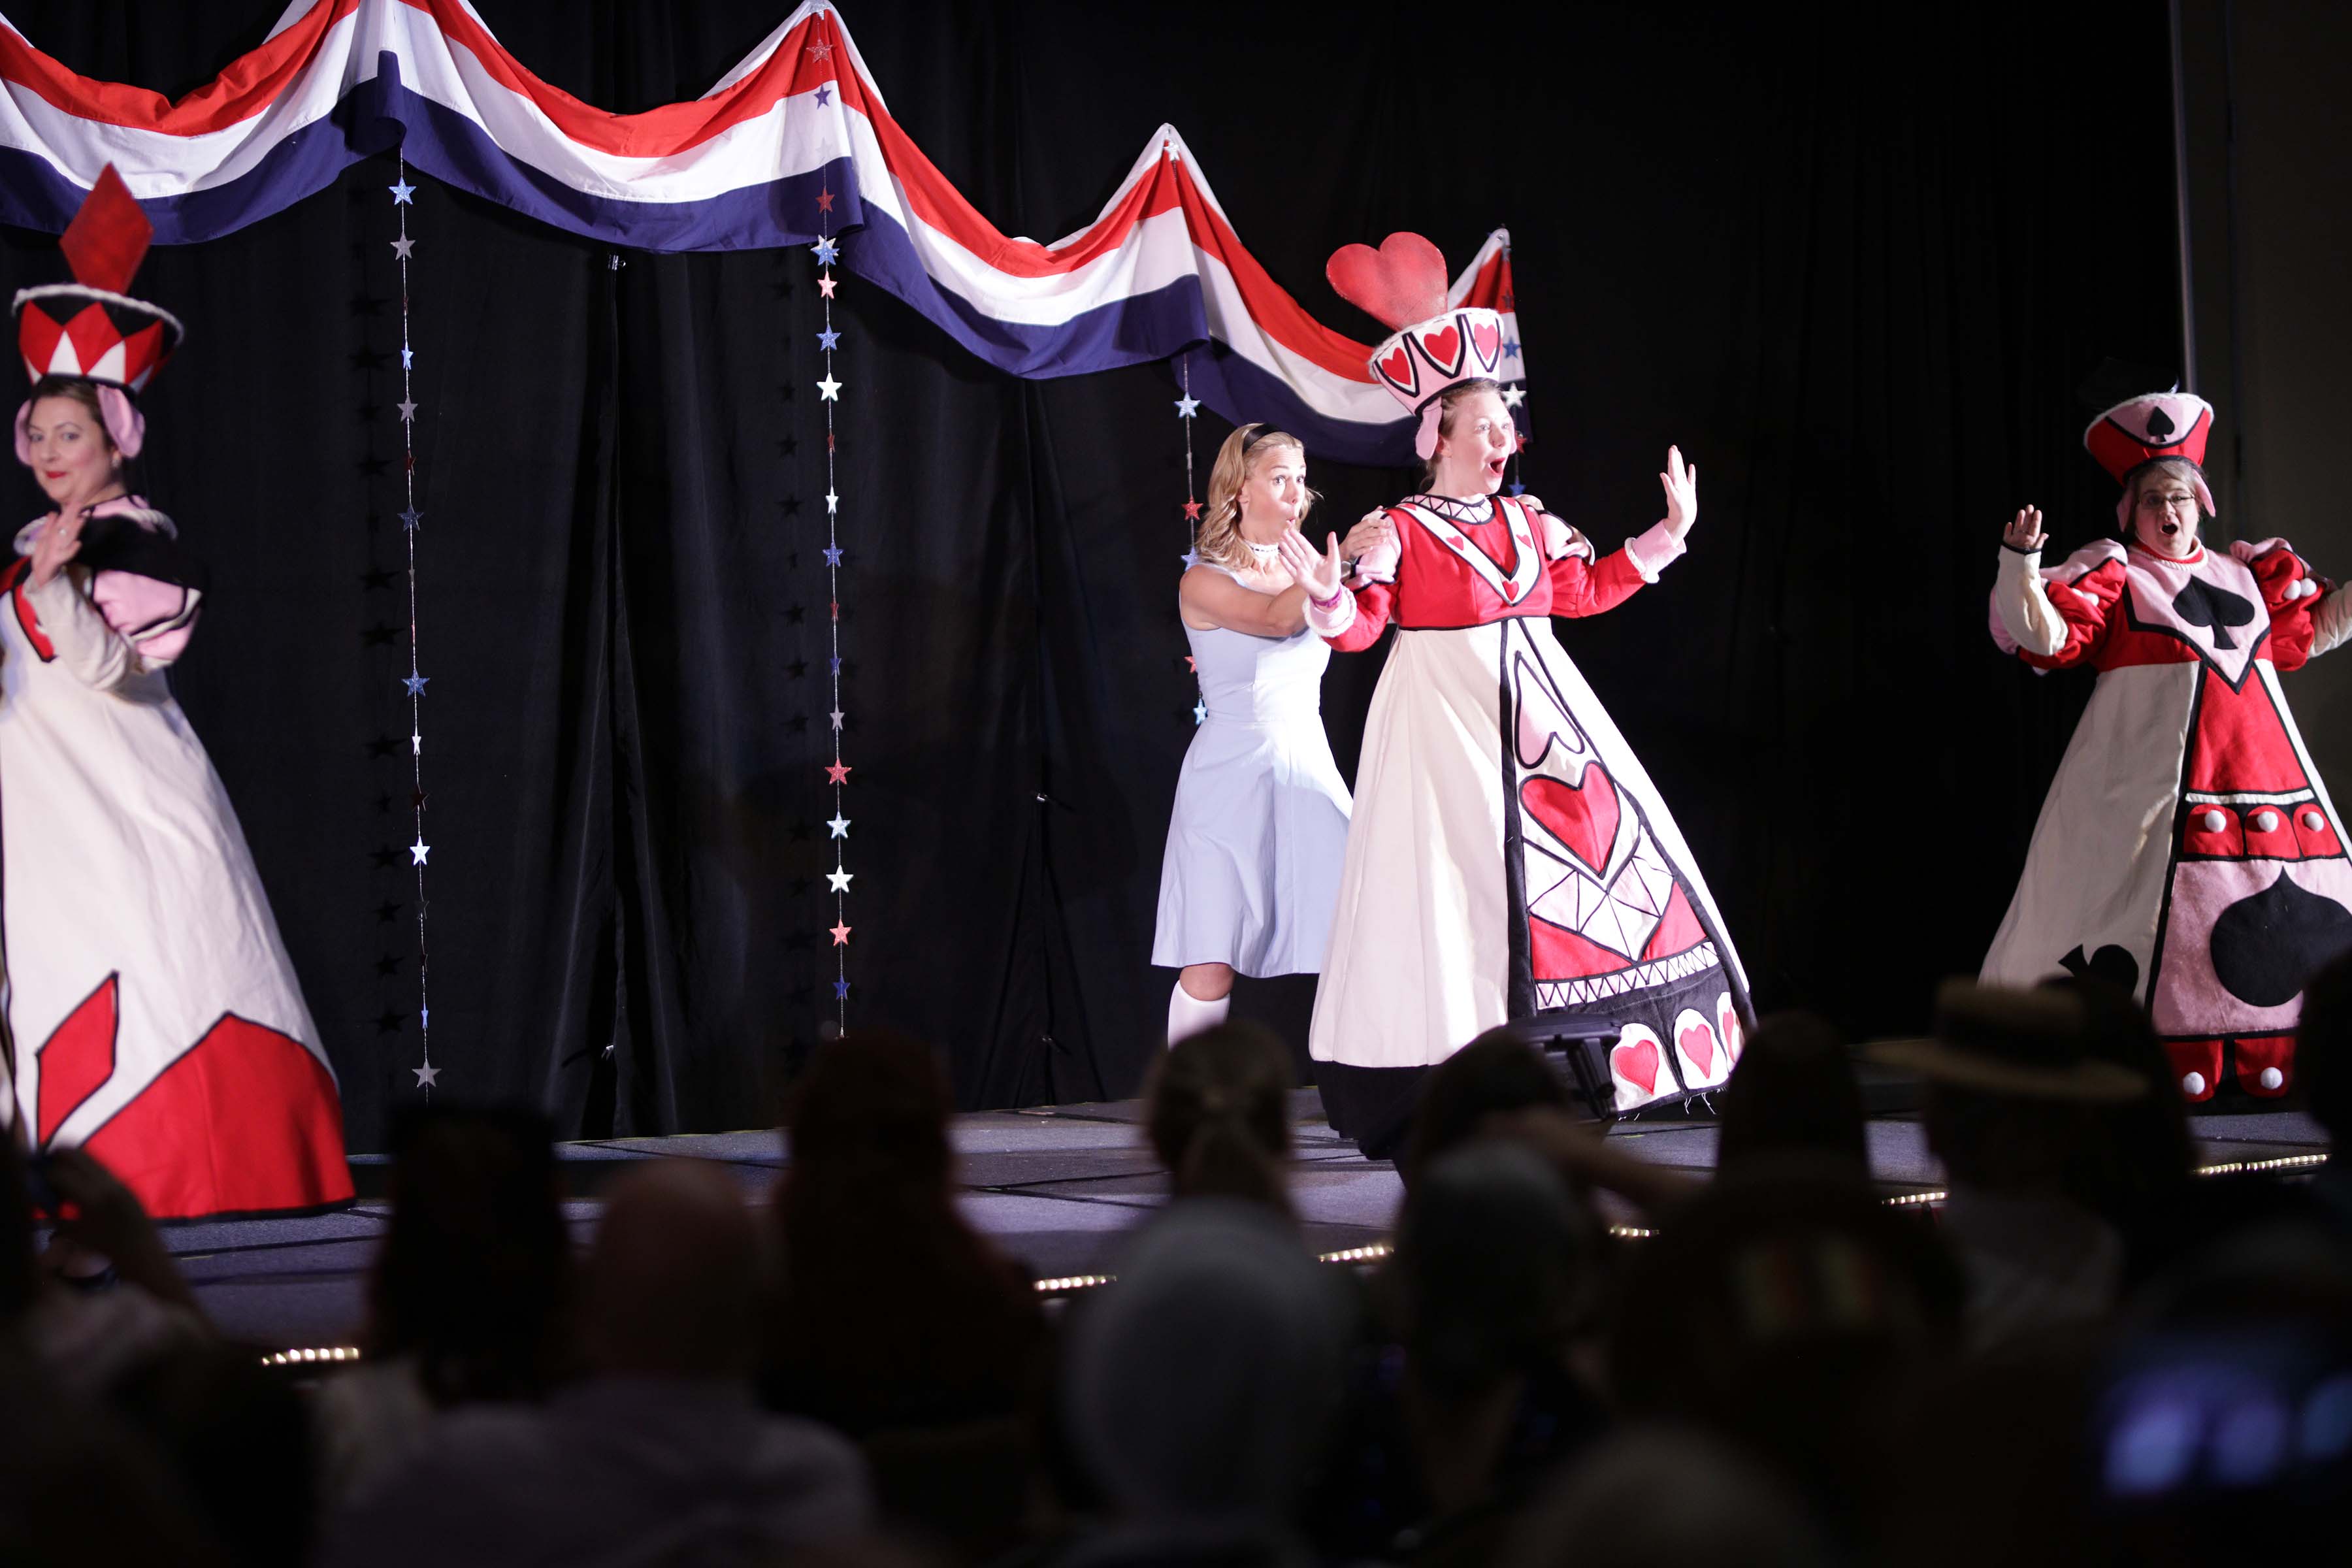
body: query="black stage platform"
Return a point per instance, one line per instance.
(1056, 1186)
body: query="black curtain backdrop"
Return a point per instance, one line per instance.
(1853, 263)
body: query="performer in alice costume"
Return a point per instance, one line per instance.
(152, 1016)
(2188, 850)
(1508, 855)
(1261, 816)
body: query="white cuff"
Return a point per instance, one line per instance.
(1653, 550)
(2331, 620)
(2029, 617)
(1330, 623)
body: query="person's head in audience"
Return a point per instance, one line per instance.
(1718, 1509)
(668, 1288)
(1784, 1311)
(1218, 1113)
(892, 1311)
(2142, 1152)
(1496, 1290)
(1792, 1093)
(2012, 1092)
(1493, 1075)
(474, 1278)
(1200, 1385)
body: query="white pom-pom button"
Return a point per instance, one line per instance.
(2313, 820)
(2267, 821)
(2212, 822)
(2272, 1078)
(2193, 1085)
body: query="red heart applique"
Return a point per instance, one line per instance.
(1698, 1047)
(1637, 1064)
(1398, 367)
(1581, 816)
(1444, 347)
(1488, 341)
(1401, 283)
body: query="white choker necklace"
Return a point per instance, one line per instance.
(1263, 552)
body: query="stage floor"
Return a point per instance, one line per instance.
(1056, 1186)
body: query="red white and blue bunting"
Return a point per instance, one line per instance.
(1158, 274)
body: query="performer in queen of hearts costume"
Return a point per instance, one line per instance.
(2188, 850)
(1507, 856)
(152, 1016)
(1261, 814)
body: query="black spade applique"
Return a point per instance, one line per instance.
(2113, 965)
(2202, 605)
(2159, 425)
(2266, 946)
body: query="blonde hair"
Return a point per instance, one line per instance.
(1220, 536)
(1446, 404)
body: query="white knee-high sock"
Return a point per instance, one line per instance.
(1188, 1015)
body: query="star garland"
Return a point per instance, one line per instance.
(1187, 407)
(827, 254)
(414, 683)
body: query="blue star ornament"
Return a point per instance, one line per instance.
(1200, 712)
(408, 359)
(825, 252)
(411, 518)
(414, 682)
(827, 339)
(841, 990)
(833, 554)
(401, 192)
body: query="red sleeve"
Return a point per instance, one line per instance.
(2083, 604)
(2283, 576)
(1372, 603)
(1581, 586)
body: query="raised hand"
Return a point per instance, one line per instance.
(1318, 573)
(59, 542)
(2024, 530)
(1681, 483)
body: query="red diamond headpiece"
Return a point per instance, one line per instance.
(90, 328)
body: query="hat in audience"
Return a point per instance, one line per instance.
(2018, 1044)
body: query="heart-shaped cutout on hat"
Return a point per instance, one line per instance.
(1397, 366)
(1401, 283)
(1488, 341)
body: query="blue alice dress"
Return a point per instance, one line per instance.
(1260, 828)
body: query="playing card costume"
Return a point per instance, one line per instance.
(152, 1014)
(2187, 849)
(1507, 855)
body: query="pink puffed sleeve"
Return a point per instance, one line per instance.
(155, 617)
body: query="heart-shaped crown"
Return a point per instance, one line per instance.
(1401, 283)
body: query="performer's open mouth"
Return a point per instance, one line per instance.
(2170, 529)
(1494, 468)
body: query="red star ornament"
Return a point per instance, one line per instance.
(824, 201)
(1192, 511)
(837, 772)
(841, 935)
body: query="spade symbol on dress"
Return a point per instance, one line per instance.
(2201, 603)
(2113, 965)
(2159, 425)
(2266, 946)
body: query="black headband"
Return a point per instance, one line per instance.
(1262, 433)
